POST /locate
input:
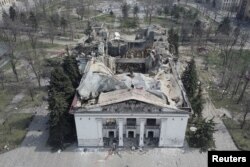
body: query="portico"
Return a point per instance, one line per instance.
(141, 129)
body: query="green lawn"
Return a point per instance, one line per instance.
(241, 137)
(27, 102)
(107, 18)
(14, 130)
(226, 102)
(165, 22)
(215, 64)
(6, 96)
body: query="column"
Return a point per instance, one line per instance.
(142, 127)
(120, 122)
(100, 136)
(162, 132)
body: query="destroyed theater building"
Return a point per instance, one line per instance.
(131, 96)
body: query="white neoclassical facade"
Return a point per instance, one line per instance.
(167, 126)
(130, 109)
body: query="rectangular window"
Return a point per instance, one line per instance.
(131, 121)
(151, 122)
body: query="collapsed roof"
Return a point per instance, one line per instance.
(101, 84)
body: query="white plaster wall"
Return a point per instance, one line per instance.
(87, 131)
(173, 132)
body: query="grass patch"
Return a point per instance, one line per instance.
(27, 102)
(6, 95)
(213, 58)
(24, 45)
(129, 23)
(107, 18)
(14, 130)
(215, 64)
(226, 102)
(165, 22)
(241, 137)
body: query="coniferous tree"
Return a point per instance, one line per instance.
(33, 21)
(63, 24)
(70, 67)
(202, 137)
(125, 9)
(61, 93)
(88, 30)
(189, 79)
(12, 13)
(60, 82)
(197, 103)
(58, 110)
(225, 26)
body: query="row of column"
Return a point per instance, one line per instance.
(141, 140)
(142, 129)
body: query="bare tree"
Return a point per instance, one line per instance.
(226, 47)
(247, 79)
(243, 39)
(80, 11)
(149, 8)
(247, 110)
(2, 77)
(8, 34)
(35, 62)
(28, 82)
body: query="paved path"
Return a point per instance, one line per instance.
(223, 140)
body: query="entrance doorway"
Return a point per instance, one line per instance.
(111, 134)
(130, 134)
(150, 134)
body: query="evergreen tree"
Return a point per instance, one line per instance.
(197, 29)
(125, 9)
(189, 79)
(88, 30)
(60, 94)
(111, 13)
(60, 82)
(58, 109)
(55, 19)
(197, 103)
(33, 21)
(225, 26)
(202, 137)
(63, 81)
(12, 13)
(135, 11)
(63, 24)
(23, 18)
(166, 10)
(70, 68)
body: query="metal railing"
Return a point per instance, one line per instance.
(152, 126)
(130, 126)
(109, 126)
